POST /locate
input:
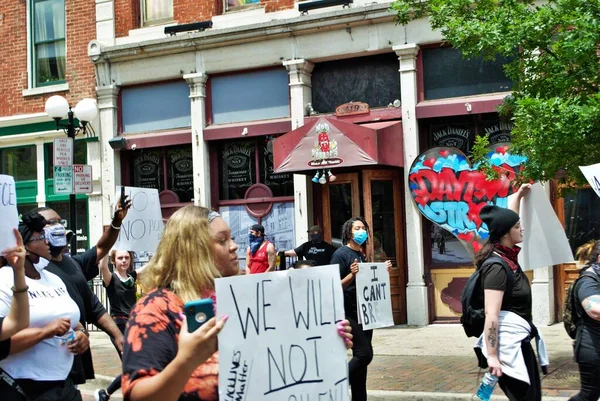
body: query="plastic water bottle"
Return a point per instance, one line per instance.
(484, 392)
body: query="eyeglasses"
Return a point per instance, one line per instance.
(40, 238)
(62, 222)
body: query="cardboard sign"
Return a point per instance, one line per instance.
(82, 177)
(544, 240)
(592, 174)
(8, 211)
(62, 151)
(373, 296)
(63, 179)
(142, 228)
(281, 340)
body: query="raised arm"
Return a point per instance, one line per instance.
(515, 201)
(108, 239)
(492, 305)
(18, 315)
(105, 272)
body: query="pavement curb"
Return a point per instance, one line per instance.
(381, 395)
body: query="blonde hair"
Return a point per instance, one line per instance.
(184, 260)
(587, 253)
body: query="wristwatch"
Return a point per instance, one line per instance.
(84, 330)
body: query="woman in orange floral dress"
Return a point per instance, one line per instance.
(161, 360)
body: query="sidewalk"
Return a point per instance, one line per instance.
(435, 362)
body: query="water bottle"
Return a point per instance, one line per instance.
(484, 392)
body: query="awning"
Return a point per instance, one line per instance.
(328, 143)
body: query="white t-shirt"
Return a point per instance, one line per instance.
(49, 300)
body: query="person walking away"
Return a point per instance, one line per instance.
(316, 249)
(587, 342)
(355, 234)
(260, 254)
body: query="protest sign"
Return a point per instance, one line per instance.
(8, 211)
(373, 296)
(592, 174)
(281, 340)
(544, 240)
(142, 228)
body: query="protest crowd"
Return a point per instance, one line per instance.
(165, 317)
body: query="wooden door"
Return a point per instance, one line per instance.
(382, 201)
(341, 201)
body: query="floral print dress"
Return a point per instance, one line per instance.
(151, 340)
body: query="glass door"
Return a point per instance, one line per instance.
(341, 201)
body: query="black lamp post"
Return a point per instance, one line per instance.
(86, 110)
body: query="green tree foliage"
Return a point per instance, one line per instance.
(554, 47)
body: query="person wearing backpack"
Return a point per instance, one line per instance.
(507, 304)
(586, 293)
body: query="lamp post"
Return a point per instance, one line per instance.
(57, 107)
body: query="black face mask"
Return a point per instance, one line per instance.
(316, 237)
(56, 250)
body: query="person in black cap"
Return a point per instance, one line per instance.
(498, 259)
(317, 250)
(260, 253)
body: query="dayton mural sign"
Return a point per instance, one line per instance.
(450, 192)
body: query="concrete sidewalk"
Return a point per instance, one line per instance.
(435, 362)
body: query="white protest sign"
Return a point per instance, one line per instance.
(544, 240)
(8, 211)
(592, 174)
(373, 296)
(142, 228)
(281, 340)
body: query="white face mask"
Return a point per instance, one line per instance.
(41, 265)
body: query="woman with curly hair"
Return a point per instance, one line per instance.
(161, 360)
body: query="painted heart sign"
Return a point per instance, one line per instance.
(450, 192)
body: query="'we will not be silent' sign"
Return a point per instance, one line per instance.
(281, 341)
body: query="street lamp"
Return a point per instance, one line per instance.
(57, 107)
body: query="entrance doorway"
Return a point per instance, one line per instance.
(377, 196)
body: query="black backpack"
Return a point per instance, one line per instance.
(473, 313)
(570, 315)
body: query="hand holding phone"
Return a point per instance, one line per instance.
(198, 312)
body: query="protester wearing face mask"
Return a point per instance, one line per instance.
(355, 234)
(316, 249)
(260, 254)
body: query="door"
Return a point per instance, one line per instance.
(341, 201)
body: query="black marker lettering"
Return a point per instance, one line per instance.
(248, 313)
(265, 327)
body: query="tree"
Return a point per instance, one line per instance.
(555, 49)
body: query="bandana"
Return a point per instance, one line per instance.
(254, 243)
(596, 268)
(509, 255)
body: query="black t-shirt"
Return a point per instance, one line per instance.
(70, 270)
(494, 277)
(4, 345)
(589, 341)
(122, 299)
(345, 256)
(320, 252)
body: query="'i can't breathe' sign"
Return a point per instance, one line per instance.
(281, 341)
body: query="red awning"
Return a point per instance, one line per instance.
(328, 143)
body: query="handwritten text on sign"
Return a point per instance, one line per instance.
(592, 175)
(281, 341)
(8, 211)
(142, 228)
(373, 296)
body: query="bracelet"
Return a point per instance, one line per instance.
(19, 290)
(84, 331)
(113, 226)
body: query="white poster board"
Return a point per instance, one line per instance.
(281, 340)
(8, 211)
(373, 296)
(142, 228)
(592, 174)
(544, 240)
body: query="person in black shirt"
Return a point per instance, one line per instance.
(317, 250)
(355, 234)
(587, 342)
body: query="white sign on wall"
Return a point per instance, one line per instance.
(82, 177)
(373, 296)
(592, 174)
(281, 340)
(143, 226)
(8, 211)
(63, 179)
(62, 151)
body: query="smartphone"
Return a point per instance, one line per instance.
(123, 196)
(198, 312)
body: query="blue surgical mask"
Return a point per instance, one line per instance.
(360, 236)
(56, 235)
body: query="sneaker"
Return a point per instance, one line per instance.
(101, 395)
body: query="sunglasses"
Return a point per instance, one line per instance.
(40, 238)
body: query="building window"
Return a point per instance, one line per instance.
(581, 217)
(150, 165)
(19, 162)
(248, 162)
(48, 32)
(80, 157)
(231, 5)
(156, 11)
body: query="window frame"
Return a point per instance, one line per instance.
(33, 64)
(148, 23)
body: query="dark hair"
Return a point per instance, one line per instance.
(587, 254)
(304, 263)
(486, 250)
(258, 228)
(346, 233)
(31, 222)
